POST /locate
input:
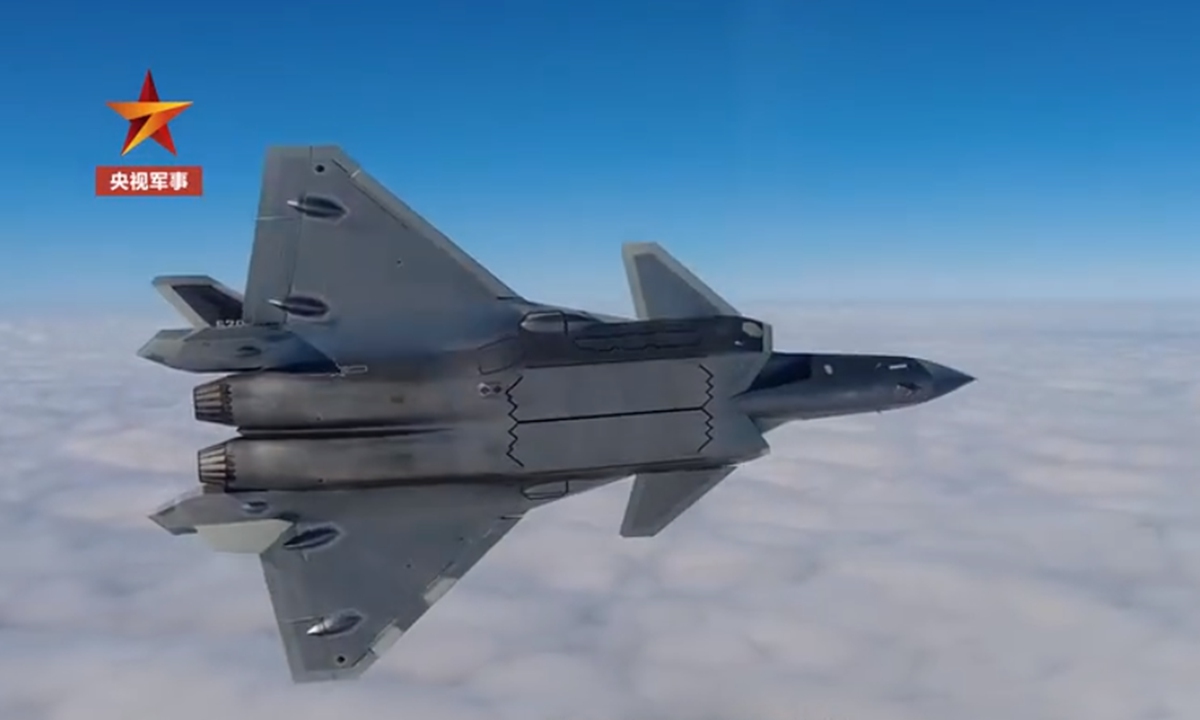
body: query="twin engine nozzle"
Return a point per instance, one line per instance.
(317, 430)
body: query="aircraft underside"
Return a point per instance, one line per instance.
(400, 409)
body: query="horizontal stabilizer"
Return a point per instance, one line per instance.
(234, 348)
(658, 498)
(663, 288)
(204, 302)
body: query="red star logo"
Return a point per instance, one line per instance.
(148, 117)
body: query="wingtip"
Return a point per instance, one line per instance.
(316, 153)
(168, 280)
(631, 532)
(630, 249)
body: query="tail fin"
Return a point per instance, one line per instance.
(220, 340)
(663, 288)
(202, 300)
(658, 498)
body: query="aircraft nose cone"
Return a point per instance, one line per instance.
(945, 379)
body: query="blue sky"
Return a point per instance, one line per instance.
(782, 148)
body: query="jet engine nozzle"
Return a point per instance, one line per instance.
(214, 465)
(213, 402)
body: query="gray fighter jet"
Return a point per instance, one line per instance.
(399, 408)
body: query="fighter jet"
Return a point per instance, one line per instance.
(399, 409)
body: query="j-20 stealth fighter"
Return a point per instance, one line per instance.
(399, 408)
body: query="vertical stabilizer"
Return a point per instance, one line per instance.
(204, 302)
(663, 288)
(658, 498)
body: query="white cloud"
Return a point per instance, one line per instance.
(1027, 547)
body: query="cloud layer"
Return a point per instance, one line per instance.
(1028, 547)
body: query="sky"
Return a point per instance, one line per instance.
(931, 178)
(785, 149)
(1026, 547)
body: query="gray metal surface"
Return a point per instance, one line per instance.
(353, 570)
(202, 300)
(399, 408)
(656, 499)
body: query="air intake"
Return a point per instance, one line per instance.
(213, 402)
(214, 464)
